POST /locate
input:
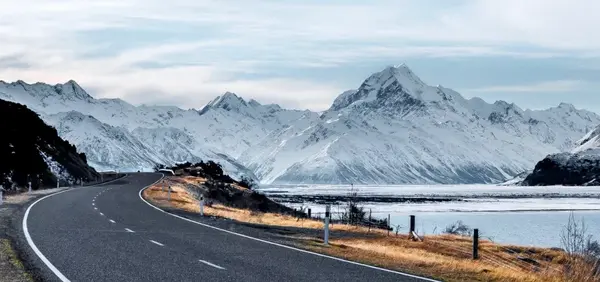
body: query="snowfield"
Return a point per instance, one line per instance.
(393, 129)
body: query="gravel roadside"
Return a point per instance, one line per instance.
(13, 265)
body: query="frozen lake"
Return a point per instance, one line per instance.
(508, 214)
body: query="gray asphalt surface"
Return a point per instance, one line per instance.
(74, 231)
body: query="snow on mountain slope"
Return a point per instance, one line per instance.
(106, 147)
(115, 148)
(590, 142)
(227, 124)
(397, 129)
(116, 134)
(175, 146)
(393, 129)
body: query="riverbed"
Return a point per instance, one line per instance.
(531, 216)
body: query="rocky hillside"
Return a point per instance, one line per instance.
(580, 167)
(32, 151)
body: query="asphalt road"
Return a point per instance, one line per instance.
(107, 233)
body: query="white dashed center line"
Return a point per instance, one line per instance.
(211, 264)
(111, 221)
(129, 230)
(101, 214)
(157, 243)
(95, 208)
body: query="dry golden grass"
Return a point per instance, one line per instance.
(443, 257)
(450, 261)
(180, 199)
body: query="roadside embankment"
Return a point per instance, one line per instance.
(13, 267)
(444, 257)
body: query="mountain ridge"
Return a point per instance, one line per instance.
(393, 115)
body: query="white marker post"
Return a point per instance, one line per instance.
(1, 199)
(327, 216)
(164, 183)
(29, 186)
(169, 193)
(202, 205)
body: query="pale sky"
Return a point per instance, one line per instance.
(302, 54)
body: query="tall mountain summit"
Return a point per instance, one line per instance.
(393, 129)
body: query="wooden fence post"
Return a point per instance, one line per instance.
(475, 243)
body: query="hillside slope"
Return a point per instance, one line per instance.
(29, 148)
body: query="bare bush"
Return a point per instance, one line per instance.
(458, 228)
(582, 250)
(354, 214)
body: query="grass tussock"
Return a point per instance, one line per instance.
(7, 253)
(445, 257)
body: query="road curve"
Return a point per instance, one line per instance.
(107, 233)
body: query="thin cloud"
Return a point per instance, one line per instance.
(544, 86)
(221, 42)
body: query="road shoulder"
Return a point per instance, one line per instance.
(15, 259)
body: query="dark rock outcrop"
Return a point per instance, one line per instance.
(29, 147)
(578, 169)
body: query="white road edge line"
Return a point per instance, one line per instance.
(211, 264)
(111, 221)
(34, 247)
(280, 245)
(129, 230)
(157, 243)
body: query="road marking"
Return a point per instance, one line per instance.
(280, 245)
(129, 230)
(101, 214)
(111, 221)
(95, 208)
(157, 243)
(42, 257)
(34, 247)
(211, 264)
(93, 204)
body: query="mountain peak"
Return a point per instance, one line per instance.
(72, 89)
(228, 101)
(393, 86)
(566, 106)
(402, 73)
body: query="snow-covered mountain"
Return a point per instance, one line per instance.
(397, 129)
(393, 129)
(117, 135)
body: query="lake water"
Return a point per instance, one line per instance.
(531, 216)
